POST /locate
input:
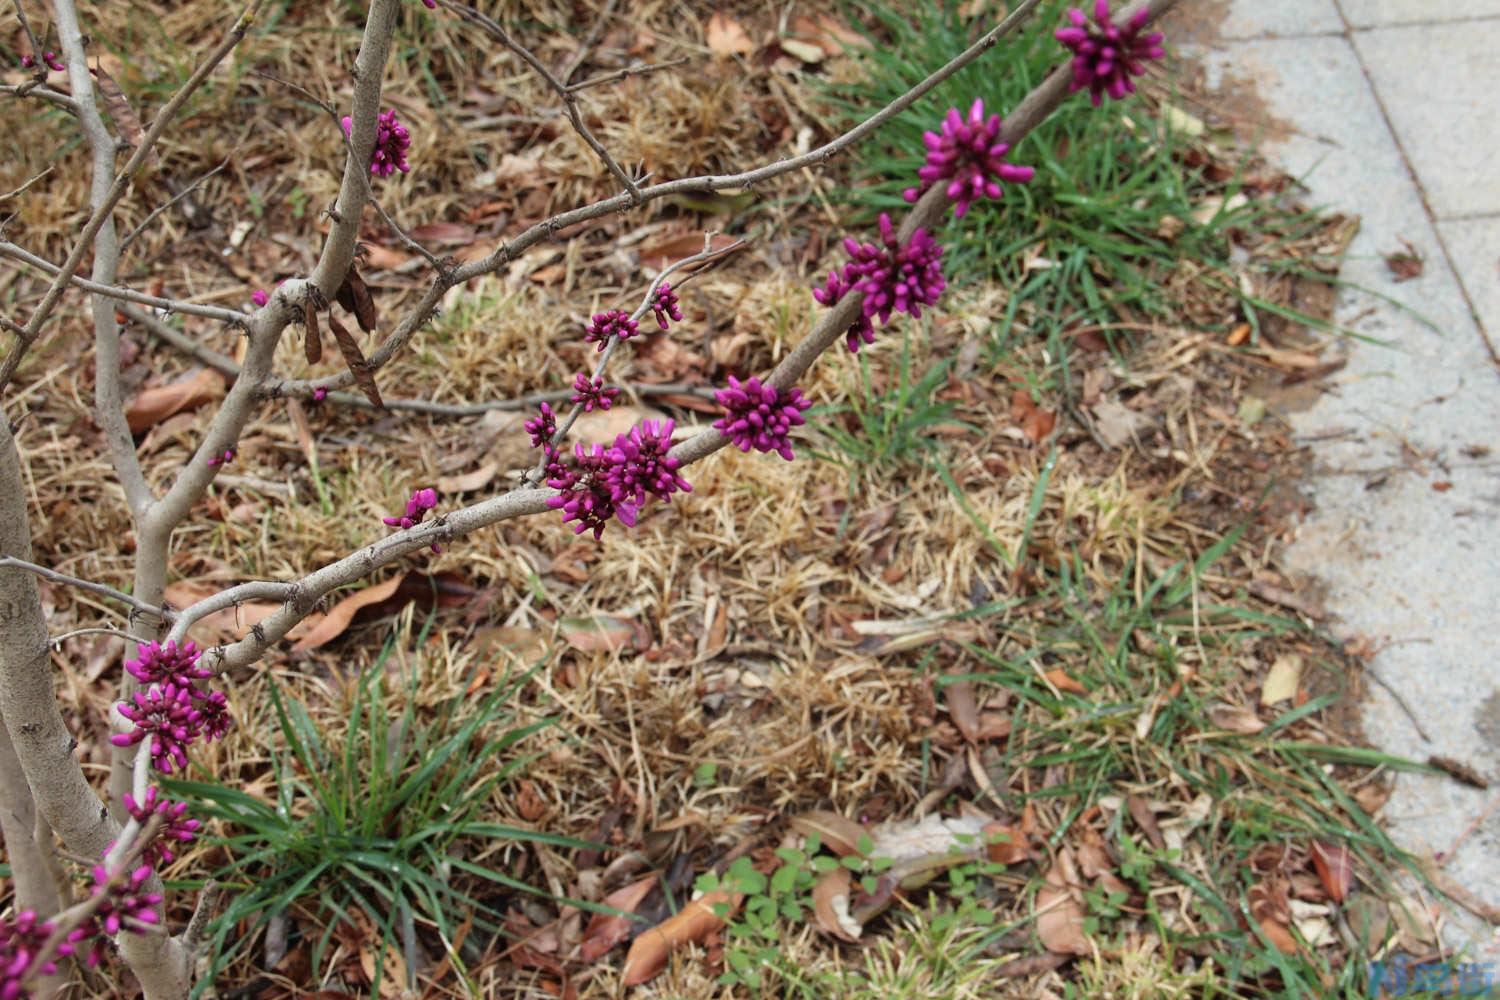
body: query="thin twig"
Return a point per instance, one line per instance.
(97, 588)
(304, 389)
(117, 190)
(570, 99)
(219, 313)
(401, 234)
(595, 31)
(58, 640)
(175, 199)
(23, 187)
(638, 69)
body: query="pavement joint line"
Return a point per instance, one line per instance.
(1469, 217)
(1416, 178)
(1440, 23)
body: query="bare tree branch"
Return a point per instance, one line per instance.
(569, 97)
(185, 192)
(81, 82)
(20, 253)
(135, 604)
(638, 69)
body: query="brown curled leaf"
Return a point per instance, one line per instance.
(313, 346)
(120, 110)
(355, 359)
(364, 303)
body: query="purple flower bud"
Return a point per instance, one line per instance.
(223, 459)
(174, 829)
(259, 297)
(664, 305)
(53, 63)
(27, 61)
(891, 277)
(168, 715)
(542, 428)
(614, 323)
(126, 907)
(1107, 55)
(969, 155)
(639, 465)
(417, 506)
(592, 393)
(760, 416)
(392, 141)
(319, 394)
(158, 664)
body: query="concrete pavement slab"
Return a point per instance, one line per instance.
(1279, 19)
(1373, 13)
(1474, 245)
(1405, 535)
(1438, 83)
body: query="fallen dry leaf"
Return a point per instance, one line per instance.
(1235, 718)
(150, 406)
(1282, 679)
(695, 921)
(341, 614)
(831, 905)
(1034, 422)
(726, 36)
(1005, 845)
(1060, 913)
(839, 834)
(469, 482)
(1063, 681)
(1334, 868)
(1404, 264)
(659, 253)
(601, 633)
(1145, 818)
(604, 930)
(962, 708)
(1117, 424)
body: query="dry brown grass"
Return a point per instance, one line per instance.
(747, 605)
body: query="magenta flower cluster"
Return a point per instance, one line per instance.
(392, 140)
(599, 483)
(541, 428)
(21, 941)
(168, 664)
(970, 157)
(891, 276)
(664, 305)
(592, 392)
(760, 416)
(614, 323)
(223, 458)
(1107, 55)
(50, 58)
(173, 826)
(174, 716)
(417, 506)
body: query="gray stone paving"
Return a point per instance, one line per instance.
(1391, 108)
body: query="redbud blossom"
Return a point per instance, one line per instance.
(168, 715)
(585, 495)
(167, 664)
(392, 140)
(259, 297)
(21, 941)
(970, 157)
(760, 416)
(126, 907)
(417, 506)
(1107, 55)
(53, 63)
(223, 459)
(892, 278)
(639, 465)
(614, 323)
(592, 393)
(541, 428)
(319, 394)
(173, 828)
(664, 304)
